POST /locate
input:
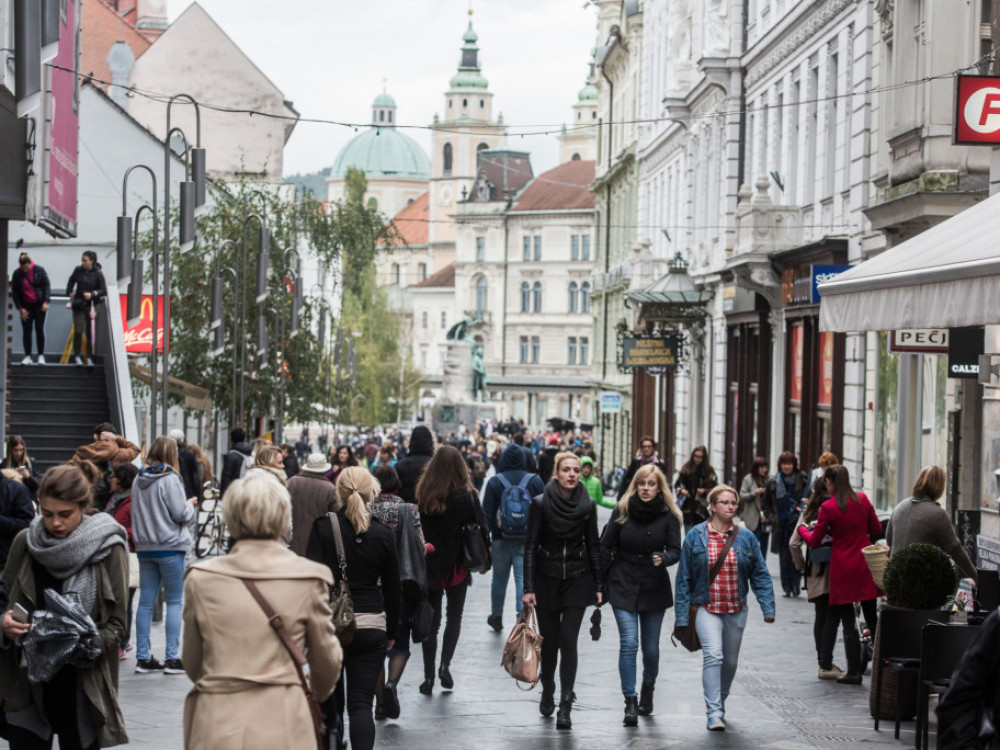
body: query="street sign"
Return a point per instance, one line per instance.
(918, 341)
(611, 402)
(977, 110)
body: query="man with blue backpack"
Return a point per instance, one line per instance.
(506, 500)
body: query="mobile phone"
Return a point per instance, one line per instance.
(20, 614)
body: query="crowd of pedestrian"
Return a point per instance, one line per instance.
(342, 560)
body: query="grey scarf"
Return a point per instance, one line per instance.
(72, 559)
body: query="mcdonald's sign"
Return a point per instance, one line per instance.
(139, 339)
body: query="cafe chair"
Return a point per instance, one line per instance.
(941, 648)
(899, 634)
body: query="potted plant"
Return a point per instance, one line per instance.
(918, 577)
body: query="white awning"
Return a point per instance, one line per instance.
(945, 277)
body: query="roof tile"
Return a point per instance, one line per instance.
(563, 188)
(100, 28)
(412, 221)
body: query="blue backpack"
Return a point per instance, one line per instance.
(512, 515)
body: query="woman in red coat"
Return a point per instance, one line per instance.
(849, 517)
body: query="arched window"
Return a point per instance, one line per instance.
(573, 294)
(575, 157)
(482, 147)
(465, 103)
(381, 115)
(482, 104)
(585, 297)
(373, 204)
(536, 297)
(481, 289)
(390, 115)
(395, 273)
(525, 297)
(447, 156)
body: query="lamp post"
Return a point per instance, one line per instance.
(192, 201)
(130, 268)
(216, 322)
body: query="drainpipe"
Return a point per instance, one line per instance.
(503, 320)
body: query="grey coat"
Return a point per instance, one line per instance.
(750, 509)
(312, 496)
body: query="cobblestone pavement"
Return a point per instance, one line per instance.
(777, 703)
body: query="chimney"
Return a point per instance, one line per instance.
(151, 18)
(120, 61)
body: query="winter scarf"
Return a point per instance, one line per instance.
(788, 497)
(562, 515)
(72, 559)
(644, 513)
(653, 459)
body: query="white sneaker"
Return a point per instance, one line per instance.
(27, 360)
(41, 359)
(77, 360)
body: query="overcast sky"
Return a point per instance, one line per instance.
(329, 57)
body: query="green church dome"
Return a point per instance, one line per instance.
(383, 152)
(384, 100)
(587, 94)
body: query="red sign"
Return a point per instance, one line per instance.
(826, 369)
(977, 110)
(797, 357)
(139, 338)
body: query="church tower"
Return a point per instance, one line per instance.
(466, 128)
(578, 141)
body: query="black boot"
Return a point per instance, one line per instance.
(852, 645)
(445, 676)
(631, 712)
(646, 700)
(565, 707)
(548, 703)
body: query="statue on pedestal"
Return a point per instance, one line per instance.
(458, 367)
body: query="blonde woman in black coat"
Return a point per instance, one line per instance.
(642, 539)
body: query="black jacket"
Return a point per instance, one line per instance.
(444, 531)
(633, 468)
(371, 558)
(16, 512)
(189, 474)
(547, 462)
(232, 465)
(86, 281)
(511, 465)
(974, 686)
(43, 289)
(695, 511)
(634, 583)
(561, 557)
(409, 469)
(291, 465)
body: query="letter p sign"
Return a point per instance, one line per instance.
(977, 110)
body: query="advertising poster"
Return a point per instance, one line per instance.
(826, 369)
(797, 345)
(139, 338)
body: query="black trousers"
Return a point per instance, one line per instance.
(821, 605)
(452, 627)
(362, 664)
(560, 630)
(59, 705)
(36, 321)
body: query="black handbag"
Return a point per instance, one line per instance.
(412, 554)
(475, 553)
(421, 621)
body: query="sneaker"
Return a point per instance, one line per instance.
(149, 666)
(716, 724)
(41, 359)
(173, 666)
(27, 360)
(78, 360)
(830, 674)
(495, 622)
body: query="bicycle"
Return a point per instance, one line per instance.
(211, 531)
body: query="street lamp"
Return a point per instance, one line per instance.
(216, 322)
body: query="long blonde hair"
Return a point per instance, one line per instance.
(356, 487)
(664, 489)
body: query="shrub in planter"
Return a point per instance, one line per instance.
(920, 576)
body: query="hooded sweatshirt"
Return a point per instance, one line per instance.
(409, 468)
(160, 512)
(592, 483)
(513, 467)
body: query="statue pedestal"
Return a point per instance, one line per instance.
(447, 415)
(455, 404)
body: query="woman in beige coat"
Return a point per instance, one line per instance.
(246, 692)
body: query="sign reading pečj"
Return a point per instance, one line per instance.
(649, 351)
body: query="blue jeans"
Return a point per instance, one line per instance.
(629, 626)
(720, 636)
(507, 553)
(168, 570)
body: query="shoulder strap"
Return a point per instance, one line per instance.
(503, 480)
(274, 620)
(721, 559)
(338, 540)
(523, 484)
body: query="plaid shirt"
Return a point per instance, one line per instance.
(724, 592)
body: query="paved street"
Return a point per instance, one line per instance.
(777, 702)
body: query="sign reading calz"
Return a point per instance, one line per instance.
(649, 351)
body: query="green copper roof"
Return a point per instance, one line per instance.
(383, 152)
(465, 80)
(384, 100)
(470, 36)
(587, 94)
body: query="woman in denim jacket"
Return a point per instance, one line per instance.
(722, 607)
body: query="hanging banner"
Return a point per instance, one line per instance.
(825, 369)
(139, 338)
(797, 357)
(649, 352)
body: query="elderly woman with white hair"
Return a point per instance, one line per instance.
(247, 692)
(373, 576)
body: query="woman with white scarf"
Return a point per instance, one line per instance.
(82, 559)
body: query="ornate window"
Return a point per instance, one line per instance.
(536, 297)
(585, 297)
(525, 297)
(447, 157)
(482, 286)
(574, 293)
